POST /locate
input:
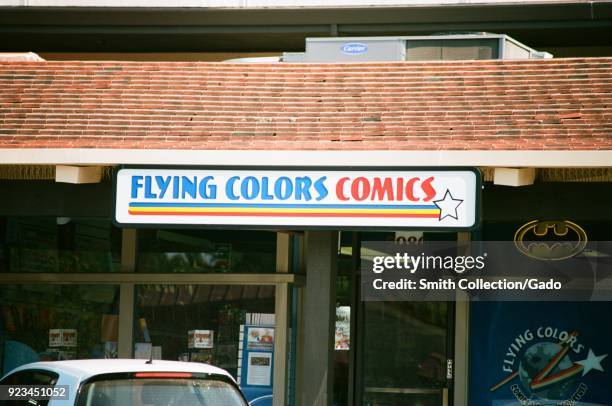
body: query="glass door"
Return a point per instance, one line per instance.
(404, 353)
(404, 349)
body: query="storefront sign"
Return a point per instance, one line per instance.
(357, 198)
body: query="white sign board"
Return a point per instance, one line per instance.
(259, 371)
(62, 337)
(299, 198)
(200, 339)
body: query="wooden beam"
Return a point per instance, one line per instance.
(115, 278)
(125, 348)
(281, 344)
(514, 176)
(462, 347)
(78, 174)
(319, 317)
(282, 312)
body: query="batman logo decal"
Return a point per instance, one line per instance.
(550, 240)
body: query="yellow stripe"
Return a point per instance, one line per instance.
(557, 379)
(279, 210)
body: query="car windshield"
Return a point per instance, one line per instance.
(160, 392)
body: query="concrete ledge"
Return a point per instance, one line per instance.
(108, 157)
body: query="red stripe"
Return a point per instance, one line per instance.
(551, 364)
(271, 214)
(504, 381)
(558, 377)
(163, 375)
(555, 360)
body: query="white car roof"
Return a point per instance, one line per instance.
(86, 368)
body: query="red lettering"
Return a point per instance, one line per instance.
(426, 186)
(340, 189)
(400, 189)
(410, 189)
(386, 189)
(382, 190)
(360, 193)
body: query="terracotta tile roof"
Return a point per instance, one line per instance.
(553, 104)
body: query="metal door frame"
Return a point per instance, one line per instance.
(456, 340)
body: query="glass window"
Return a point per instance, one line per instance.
(58, 244)
(404, 352)
(51, 322)
(30, 377)
(206, 251)
(135, 391)
(165, 314)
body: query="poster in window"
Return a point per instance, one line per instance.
(200, 339)
(259, 372)
(544, 353)
(260, 338)
(342, 339)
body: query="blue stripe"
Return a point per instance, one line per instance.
(287, 206)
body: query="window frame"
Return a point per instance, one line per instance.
(54, 378)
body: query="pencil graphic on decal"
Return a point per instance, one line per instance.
(546, 371)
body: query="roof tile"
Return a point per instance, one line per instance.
(560, 104)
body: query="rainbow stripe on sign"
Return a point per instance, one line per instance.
(283, 210)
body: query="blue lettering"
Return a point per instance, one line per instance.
(319, 186)
(249, 188)
(163, 185)
(265, 195)
(189, 186)
(278, 188)
(136, 184)
(175, 187)
(207, 191)
(302, 188)
(148, 194)
(229, 188)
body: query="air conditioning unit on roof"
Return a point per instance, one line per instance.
(441, 47)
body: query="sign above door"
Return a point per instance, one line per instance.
(299, 198)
